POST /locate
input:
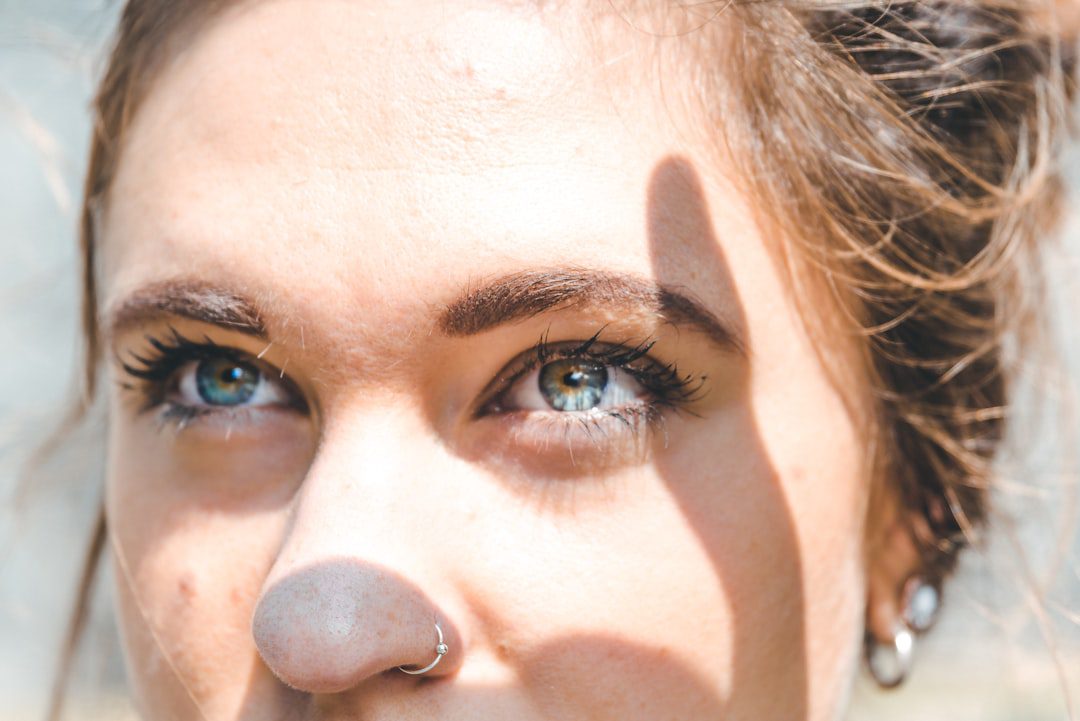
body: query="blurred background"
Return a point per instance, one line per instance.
(1007, 647)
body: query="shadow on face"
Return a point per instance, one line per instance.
(745, 522)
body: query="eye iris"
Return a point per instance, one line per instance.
(573, 385)
(225, 382)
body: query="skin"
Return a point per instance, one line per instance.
(354, 168)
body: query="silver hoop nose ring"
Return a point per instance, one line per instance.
(440, 650)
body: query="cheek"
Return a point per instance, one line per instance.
(684, 588)
(814, 446)
(193, 531)
(184, 619)
(610, 597)
(736, 499)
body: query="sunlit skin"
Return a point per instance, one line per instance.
(353, 170)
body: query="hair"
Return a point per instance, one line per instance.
(906, 147)
(910, 148)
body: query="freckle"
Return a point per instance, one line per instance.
(186, 586)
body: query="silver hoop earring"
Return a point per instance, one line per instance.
(922, 601)
(441, 650)
(890, 663)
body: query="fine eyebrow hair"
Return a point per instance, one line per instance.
(507, 299)
(523, 295)
(187, 299)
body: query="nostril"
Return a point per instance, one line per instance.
(325, 628)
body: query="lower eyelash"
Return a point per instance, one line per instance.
(225, 418)
(623, 434)
(636, 420)
(180, 415)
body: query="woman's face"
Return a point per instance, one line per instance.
(455, 316)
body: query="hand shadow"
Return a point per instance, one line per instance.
(749, 510)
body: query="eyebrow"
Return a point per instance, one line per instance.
(187, 299)
(526, 294)
(507, 299)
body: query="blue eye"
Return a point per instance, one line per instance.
(225, 382)
(189, 379)
(578, 384)
(573, 384)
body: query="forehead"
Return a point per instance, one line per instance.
(354, 84)
(375, 144)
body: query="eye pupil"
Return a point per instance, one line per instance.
(572, 384)
(225, 382)
(574, 379)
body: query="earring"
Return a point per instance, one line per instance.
(890, 664)
(922, 600)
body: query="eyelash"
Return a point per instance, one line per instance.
(668, 388)
(154, 378)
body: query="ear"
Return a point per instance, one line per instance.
(893, 558)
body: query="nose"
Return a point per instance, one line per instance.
(327, 627)
(359, 583)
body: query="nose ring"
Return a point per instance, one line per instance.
(440, 650)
